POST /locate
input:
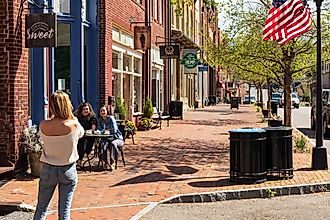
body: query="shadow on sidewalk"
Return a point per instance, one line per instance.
(158, 177)
(206, 184)
(221, 112)
(157, 153)
(217, 122)
(179, 170)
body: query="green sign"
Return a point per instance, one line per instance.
(190, 60)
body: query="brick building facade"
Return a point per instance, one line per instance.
(13, 76)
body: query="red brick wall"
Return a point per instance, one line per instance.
(13, 76)
(105, 42)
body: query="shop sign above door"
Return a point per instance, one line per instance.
(40, 30)
(170, 52)
(142, 38)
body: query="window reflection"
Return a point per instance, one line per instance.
(62, 6)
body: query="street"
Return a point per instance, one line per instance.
(301, 120)
(313, 206)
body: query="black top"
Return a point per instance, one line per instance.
(87, 122)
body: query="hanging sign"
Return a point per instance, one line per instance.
(170, 51)
(40, 30)
(142, 38)
(190, 61)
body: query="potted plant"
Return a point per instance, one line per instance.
(120, 108)
(146, 123)
(33, 146)
(132, 126)
(275, 121)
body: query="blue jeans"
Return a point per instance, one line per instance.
(66, 178)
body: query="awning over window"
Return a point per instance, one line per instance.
(182, 39)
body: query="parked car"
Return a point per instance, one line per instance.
(294, 100)
(325, 110)
(249, 100)
(276, 96)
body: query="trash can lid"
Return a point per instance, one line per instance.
(247, 130)
(278, 128)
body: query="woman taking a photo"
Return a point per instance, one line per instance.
(88, 121)
(60, 135)
(109, 147)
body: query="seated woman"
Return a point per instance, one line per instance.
(108, 150)
(88, 121)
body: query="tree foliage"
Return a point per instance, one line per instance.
(244, 53)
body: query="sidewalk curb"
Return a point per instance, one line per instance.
(217, 196)
(248, 193)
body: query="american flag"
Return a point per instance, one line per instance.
(286, 20)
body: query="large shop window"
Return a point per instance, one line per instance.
(137, 94)
(62, 6)
(116, 84)
(115, 59)
(137, 65)
(127, 63)
(62, 58)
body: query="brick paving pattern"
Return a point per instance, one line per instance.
(190, 156)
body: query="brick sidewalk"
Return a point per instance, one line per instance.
(190, 156)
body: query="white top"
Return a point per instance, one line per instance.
(61, 150)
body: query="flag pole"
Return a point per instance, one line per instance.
(319, 155)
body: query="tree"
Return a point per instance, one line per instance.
(253, 59)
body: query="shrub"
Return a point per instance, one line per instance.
(300, 144)
(132, 126)
(146, 123)
(120, 108)
(148, 110)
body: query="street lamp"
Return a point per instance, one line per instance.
(319, 156)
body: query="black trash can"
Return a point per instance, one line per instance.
(247, 155)
(234, 102)
(176, 109)
(273, 107)
(279, 152)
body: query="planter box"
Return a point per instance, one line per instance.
(275, 123)
(265, 113)
(35, 164)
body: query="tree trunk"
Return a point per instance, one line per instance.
(287, 98)
(261, 96)
(258, 94)
(269, 94)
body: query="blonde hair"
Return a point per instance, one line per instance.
(60, 105)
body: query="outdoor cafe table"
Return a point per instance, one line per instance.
(98, 138)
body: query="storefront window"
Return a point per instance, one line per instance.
(137, 65)
(115, 59)
(62, 58)
(137, 94)
(62, 6)
(127, 63)
(116, 82)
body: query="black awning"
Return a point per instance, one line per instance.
(182, 39)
